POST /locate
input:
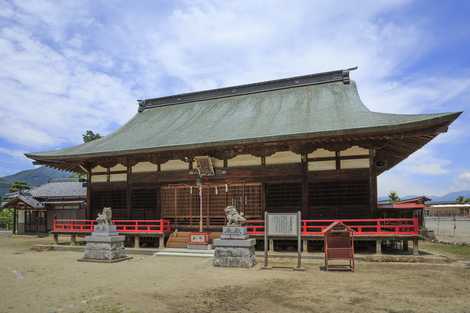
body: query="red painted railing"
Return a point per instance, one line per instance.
(142, 226)
(361, 227)
(366, 227)
(123, 226)
(255, 227)
(73, 226)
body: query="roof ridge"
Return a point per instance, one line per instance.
(283, 83)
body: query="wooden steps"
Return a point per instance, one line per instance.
(214, 235)
(178, 240)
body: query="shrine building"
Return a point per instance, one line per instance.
(304, 143)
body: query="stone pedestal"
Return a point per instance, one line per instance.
(234, 248)
(104, 245)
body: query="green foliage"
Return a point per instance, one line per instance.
(457, 251)
(90, 136)
(393, 196)
(18, 186)
(6, 217)
(460, 199)
(78, 176)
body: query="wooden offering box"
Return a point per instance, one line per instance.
(339, 245)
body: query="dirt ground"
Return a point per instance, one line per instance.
(54, 281)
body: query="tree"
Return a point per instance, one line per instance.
(393, 196)
(6, 217)
(460, 199)
(89, 135)
(78, 176)
(19, 186)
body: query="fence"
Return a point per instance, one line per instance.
(449, 228)
(5, 223)
(361, 227)
(122, 226)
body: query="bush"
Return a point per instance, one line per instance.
(6, 218)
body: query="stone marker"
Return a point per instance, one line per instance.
(234, 248)
(104, 245)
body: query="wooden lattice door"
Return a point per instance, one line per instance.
(253, 201)
(181, 204)
(217, 203)
(248, 198)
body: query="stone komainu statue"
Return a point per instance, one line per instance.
(234, 218)
(105, 218)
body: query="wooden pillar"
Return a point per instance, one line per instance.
(161, 242)
(378, 246)
(191, 190)
(263, 199)
(337, 161)
(208, 203)
(136, 241)
(305, 245)
(45, 222)
(271, 245)
(372, 183)
(405, 245)
(128, 189)
(415, 247)
(15, 219)
(88, 195)
(304, 185)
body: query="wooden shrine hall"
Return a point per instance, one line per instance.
(304, 143)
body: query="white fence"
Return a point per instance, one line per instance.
(449, 228)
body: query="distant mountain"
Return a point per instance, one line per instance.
(4, 186)
(34, 177)
(451, 196)
(447, 197)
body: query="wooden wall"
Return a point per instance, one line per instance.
(323, 184)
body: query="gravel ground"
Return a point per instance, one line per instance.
(54, 281)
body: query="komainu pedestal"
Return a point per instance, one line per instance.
(234, 248)
(105, 244)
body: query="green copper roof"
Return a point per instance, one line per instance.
(326, 108)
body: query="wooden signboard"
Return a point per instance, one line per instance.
(198, 238)
(282, 225)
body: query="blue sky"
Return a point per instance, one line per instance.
(68, 66)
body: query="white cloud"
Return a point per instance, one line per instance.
(18, 154)
(49, 96)
(462, 182)
(424, 172)
(71, 66)
(425, 162)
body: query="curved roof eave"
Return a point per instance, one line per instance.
(438, 120)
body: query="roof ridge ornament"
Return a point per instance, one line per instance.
(231, 91)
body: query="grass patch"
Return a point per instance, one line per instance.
(456, 251)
